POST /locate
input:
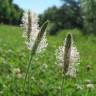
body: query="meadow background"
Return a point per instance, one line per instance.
(46, 73)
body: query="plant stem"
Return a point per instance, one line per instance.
(14, 85)
(27, 72)
(33, 52)
(62, 85)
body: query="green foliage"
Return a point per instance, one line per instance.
(46, 74)
(88, 8)
(67, 16)
(9, 12)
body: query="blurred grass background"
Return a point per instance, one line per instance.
(46, 74)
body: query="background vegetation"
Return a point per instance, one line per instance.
(46, 74)
(67, 16)
(88, 10)
(10, 13)
(74, 16)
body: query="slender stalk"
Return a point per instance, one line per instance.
(27, 72)
(62, 85)
(87, 93)
(14, 85)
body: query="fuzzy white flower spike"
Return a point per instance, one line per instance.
(32, 32)
(68, 57)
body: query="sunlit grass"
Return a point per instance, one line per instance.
(46, 75)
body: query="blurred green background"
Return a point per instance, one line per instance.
(73, 16)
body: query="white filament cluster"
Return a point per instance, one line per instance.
(73, 62)
(34, 32)
(43, 44)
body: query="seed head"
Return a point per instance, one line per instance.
(32, 32)
(90, 86)
(68, 57)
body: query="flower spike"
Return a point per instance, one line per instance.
(68, 57)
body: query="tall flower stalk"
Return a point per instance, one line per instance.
(35, 38)
(68, 58)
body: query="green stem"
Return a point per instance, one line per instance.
(27, 72)
(87, 93)
(62, 85)
(14, 86)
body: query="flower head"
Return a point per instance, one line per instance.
(88, 81)
(32, 30)
(90, 86)
(68, 57)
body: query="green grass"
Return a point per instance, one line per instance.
(46, 81)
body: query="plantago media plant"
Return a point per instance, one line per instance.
(68, 57)
(35, 37)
